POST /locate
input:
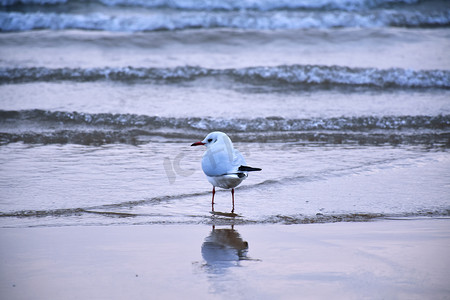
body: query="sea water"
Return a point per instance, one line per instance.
(345, 105)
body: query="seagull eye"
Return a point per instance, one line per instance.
(209, 140)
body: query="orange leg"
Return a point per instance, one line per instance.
(212, 201)
(232, 199)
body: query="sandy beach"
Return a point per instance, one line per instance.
(385, 259)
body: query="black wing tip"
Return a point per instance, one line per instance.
(248, 169)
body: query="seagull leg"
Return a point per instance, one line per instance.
(212, 201)
(232, 199)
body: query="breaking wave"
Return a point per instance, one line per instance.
(50, 127)
(247, 20)
(311, 75)
(40, 2)
(204, 219)
(232, 5)
(102, 120)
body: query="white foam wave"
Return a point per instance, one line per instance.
(262, 5)
(314, 75)
(42, 2)
(229, 5)
(47, 127)
(15, 21)
(336, 75)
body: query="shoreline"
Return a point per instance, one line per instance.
(379, 259)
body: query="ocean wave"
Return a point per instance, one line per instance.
(248, 20)
(140, 137)
(263, 5)
(293, 75)
(102, 120)
(39, 2)
(47, 127)
(350, 217)
(232, 5)
(205, 219)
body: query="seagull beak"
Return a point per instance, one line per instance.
(197, 144)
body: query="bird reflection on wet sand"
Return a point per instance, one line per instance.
(222, 249)
(225, 253)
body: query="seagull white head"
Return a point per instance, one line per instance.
(215, 137)
(223, 165)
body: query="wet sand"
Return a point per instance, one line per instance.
(384, 259)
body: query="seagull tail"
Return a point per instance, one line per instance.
(248, 169)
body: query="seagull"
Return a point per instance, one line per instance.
(223, 165)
